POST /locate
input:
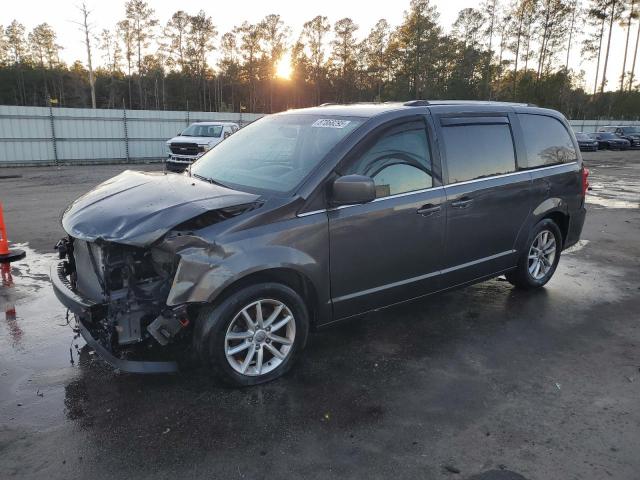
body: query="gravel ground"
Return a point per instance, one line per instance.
(480, 383)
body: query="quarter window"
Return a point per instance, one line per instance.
(547, 141)
(398, 160)
(477, 151)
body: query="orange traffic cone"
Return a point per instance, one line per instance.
(7, 255)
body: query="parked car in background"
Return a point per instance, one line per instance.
(194, 141)
(632, 134)
(610, 141)
(311, 216)
(586, 143)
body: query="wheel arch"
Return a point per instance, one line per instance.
(561, 219)
(292, 278)
(555, 209)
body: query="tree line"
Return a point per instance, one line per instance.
(521, 50)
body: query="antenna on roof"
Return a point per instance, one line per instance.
(416, 103)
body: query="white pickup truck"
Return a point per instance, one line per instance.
(194, 141)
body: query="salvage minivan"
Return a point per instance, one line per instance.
(311, 216)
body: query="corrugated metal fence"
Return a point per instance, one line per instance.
(57, 136)
(589, 126)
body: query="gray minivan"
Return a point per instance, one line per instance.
(312, 216)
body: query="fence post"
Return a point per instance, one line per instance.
(53, 135)
(126, 131)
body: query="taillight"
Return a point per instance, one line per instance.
(585, 180)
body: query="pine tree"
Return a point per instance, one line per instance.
(314, 34)
(343, 57)
(142, 24)
(274, 37)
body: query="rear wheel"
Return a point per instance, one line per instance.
(539, 260)
(254, 335)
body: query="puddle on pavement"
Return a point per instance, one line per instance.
(34, 343)
(611, 202)
(619, 193)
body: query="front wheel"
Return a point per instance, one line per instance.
(254, 335)
(539, 260)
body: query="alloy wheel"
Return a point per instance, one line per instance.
(260, 337)
(542, 254)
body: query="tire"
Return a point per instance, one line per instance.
(223, 328)
(525, 275)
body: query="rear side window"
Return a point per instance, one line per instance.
(398, 160)
(477, 151)
(547, 141)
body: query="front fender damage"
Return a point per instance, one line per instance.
(206, 269)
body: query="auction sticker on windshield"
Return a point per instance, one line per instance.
(330, 123)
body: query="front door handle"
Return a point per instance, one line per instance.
(428, 210)
(464, 202)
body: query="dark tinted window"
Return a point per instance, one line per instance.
(397, 159)
(546, 140)
(476, 151)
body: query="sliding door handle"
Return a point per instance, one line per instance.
(464, 202)
(428, 210)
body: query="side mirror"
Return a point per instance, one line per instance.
(352, 189)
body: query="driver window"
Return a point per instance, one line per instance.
(397, 159)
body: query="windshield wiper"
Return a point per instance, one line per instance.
(210, 180)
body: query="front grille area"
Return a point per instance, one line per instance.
(184, 148)
(132, 283)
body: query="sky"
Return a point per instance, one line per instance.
(61, 14)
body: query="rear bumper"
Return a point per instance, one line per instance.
(87, 312)
(576, 222)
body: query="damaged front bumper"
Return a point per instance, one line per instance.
(87, 313)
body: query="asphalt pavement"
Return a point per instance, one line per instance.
(485, 382)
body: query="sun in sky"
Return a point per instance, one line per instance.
(283, 67)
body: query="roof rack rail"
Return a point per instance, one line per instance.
(480, 102)
(328, 104)
(416, 103)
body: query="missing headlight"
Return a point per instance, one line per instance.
(215, 216)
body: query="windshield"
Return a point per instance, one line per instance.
(631, 130)
(274, 153)
(582, 136)
(202, 131)
(607, 136)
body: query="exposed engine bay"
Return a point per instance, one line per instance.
(133, 284)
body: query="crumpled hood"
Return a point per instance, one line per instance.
(138, 208)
